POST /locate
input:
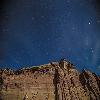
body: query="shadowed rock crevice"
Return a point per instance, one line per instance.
(97, 79)
(90, 84)
(56, 81)
(1, 85)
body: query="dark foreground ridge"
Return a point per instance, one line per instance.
(53, 81)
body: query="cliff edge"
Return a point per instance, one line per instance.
(53, 81)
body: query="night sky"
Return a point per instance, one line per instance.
(35, 32)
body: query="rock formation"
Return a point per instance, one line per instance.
(53, 81)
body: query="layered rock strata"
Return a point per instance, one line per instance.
(53, 81)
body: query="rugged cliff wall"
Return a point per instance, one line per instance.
(54, 81)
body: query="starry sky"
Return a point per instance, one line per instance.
(35, 32)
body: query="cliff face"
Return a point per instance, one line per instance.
(54, 81)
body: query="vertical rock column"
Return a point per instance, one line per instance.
(61, 82)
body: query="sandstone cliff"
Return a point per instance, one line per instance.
(53, 81)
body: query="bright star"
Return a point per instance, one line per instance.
(89, 23)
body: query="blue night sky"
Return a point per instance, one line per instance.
(35, 32)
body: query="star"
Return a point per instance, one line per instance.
(73, 29)
(42, 16)
(48, 39)
(87, 58)
(92, 50)
(69, 49)
(33, 18)
(89, 23)
(47, 53)
(78, 59)
(68, 1)
(86, 41)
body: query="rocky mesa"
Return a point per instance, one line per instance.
(53, 81)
